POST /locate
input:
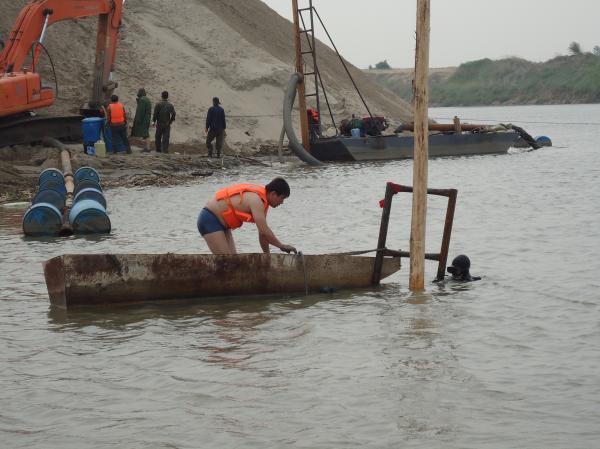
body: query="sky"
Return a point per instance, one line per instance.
(367, 32)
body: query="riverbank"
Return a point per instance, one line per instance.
(21, 165)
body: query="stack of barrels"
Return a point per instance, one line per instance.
(51, 214)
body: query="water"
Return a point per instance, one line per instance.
(510, 361)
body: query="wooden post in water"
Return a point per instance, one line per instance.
(301, 85)
(421, 150)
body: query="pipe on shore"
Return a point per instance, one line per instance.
(288, 105)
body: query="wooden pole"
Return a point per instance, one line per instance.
(301, 85)
(421, 151)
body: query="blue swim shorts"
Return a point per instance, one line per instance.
(208, 222)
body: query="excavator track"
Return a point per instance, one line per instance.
(29, 130)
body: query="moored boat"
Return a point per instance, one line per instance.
(111, 279)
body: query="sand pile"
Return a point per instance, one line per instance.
(240, 51)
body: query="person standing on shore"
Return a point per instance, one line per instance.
(141, 121)
(163, 117)
(215, 127)
(117, 120)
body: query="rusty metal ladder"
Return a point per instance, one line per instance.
(442, 257)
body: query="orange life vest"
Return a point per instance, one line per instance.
(232, 217)
(117, 113)
(313, 114)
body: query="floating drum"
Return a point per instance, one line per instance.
(54, 184)
(90, 194)
(89, 217)
(544, 141)
(53, 174)
(57, 199)
(86, 184)
(42, 219)
(86, 173)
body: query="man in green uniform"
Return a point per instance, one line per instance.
(141, 122)
(162, 118)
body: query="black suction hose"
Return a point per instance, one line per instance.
(288, 105)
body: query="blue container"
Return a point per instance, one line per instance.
(53, 174)
(108, 138)
(42, 219)
(86, 184)
(92, 128)
(53, 197)
(544, 141)
(89, 217)
(90, 194)
(86, 173)
(355, 132)
(54, 184)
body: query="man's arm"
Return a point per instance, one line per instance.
(266, 237)
(208, 119)
(155, 115)
(172, 114)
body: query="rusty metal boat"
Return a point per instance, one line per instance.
(111, 279)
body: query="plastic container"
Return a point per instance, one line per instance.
(53, 197)
(355, 132)
(42, 219)
(54, 184)
(51, 173)
(86, 184)
(89, 217)
(100, 148)
(90, 194)
(91, 128)
(86, 173)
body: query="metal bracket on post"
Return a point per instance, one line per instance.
(441, 257)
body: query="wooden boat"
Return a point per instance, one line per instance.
(110, 279)
(390, 147)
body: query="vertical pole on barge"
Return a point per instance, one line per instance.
(301, 84)
(421, 150)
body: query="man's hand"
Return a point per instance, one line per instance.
(288, 249)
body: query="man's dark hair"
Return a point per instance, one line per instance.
(279, 186)
(164, 95)
(114, 98)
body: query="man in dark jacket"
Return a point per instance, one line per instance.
(163, 117)
(215, 127)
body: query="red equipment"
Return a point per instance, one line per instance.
(21, 87)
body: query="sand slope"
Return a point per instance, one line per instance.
(241, 51)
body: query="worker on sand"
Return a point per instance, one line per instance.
(215, 127)
(163, 117)
(460, 269)
(117, 120)
(239, 203)
(141, 121)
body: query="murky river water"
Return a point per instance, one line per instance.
(510, 361)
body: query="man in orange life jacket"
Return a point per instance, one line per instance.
(239, 203)
(117, 120)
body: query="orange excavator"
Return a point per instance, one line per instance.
(21, 89)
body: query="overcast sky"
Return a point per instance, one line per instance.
(369, 31)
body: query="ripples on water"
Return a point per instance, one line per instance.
(510, 361)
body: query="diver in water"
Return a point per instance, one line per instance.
(460, 269)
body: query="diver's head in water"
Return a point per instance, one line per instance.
(460, 269)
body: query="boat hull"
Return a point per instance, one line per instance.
(110, 279)
(390, 147)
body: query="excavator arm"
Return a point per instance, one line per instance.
(20, 87)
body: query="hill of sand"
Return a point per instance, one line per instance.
(240, 51)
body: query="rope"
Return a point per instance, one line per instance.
(304, 272)
(520, 121)
(356, 253)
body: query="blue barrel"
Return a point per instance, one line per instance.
(86, 184)
(54, 184)
(86, 173)
(42, 219)
(51, 174)
(90, 194)
(544, 141)
(89, 217)
(92, 128)
(57, 199)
